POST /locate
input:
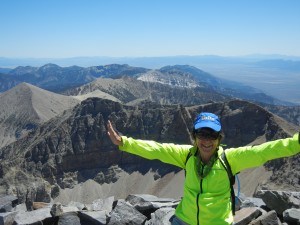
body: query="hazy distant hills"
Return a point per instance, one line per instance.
(277, 75)
(149, 62)
(55, 78)
(58, 79)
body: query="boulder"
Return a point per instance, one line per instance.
(253, 202)
(148, 204)
(7, 202)
(56, 209)
(137, 209)
(161, 216)
(292, 216)
(124, 213)
(7, 218)
(279, 200)
(269, 218)
(32, 217)
(94, 217)
(69, 218)
(103, 204)
(246, 215)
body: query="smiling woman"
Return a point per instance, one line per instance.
(207, 189)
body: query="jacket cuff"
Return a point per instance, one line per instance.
(124, 142)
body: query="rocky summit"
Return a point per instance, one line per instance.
(271, 207)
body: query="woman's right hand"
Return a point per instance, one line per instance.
(113, 135)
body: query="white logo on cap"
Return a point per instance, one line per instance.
(207, 118)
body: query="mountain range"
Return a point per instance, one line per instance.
(60, 79)
(56, 142)
(276, 75)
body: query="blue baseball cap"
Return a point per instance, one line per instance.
(209, 120)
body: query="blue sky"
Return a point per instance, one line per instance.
(134, 28)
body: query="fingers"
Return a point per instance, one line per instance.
(109, 128)
(113, 135)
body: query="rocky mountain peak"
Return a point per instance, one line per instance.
(25, 106)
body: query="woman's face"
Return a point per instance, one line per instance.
(206, 146)
(207, 142)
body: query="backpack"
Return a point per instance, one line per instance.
(231, 177)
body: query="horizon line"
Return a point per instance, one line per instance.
(162, 56)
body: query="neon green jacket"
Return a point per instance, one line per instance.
(207, 201)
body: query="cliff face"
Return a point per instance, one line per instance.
(74, 147)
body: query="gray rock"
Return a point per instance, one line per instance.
(103, 204)
(253, 202)
(32, 217)
(124, 213)
(161, 216)
(291, 216)
(55, 191)
(94, 217)
(279, 200)
(7, 202)
(135, 209)
(78, 205)
(56, 209)
(246, 215)
(7, 218)
(270, 218)
(69, 218)
(147, 204)
(20, 208)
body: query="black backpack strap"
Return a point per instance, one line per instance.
(227, 167)
(187, 158)
(189, 155)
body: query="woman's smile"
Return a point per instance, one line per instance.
(207, 148)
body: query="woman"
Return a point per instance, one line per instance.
(207, 198)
